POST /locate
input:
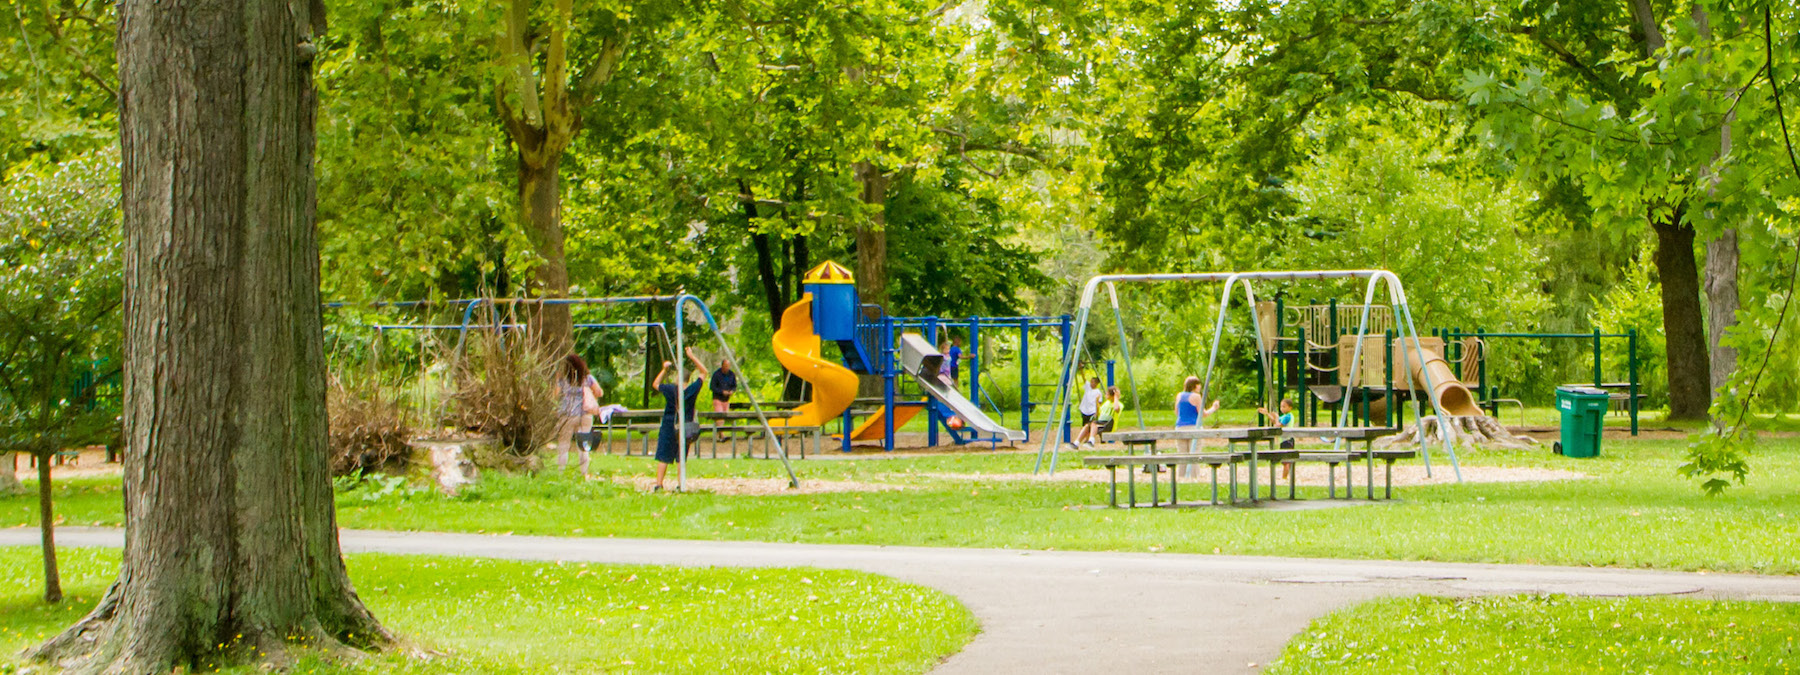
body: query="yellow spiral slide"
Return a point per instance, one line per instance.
(797, 348)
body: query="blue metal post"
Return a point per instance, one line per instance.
(931, 412)
(887, 382)
(1024, 377)
(1109, 372)
(973, 355)
(1068, 365)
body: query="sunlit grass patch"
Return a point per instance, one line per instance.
(1549, 634)
(499, 616)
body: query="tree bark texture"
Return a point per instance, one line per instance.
(540, 208)
(540, 105)
(231, 548)
(871, 237)
(1690, 391)
(9, 473)
(47, 529)
(1721, 306)
(871, 251)
(1721, 253)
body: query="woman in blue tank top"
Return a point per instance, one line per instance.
(1188, 403)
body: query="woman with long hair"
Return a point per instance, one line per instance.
(578, 401)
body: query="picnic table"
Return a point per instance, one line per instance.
(737, 423)
(1367, 436)
(1254, 437)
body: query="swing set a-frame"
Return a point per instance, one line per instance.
(1396, 295)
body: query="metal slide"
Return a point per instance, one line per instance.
(921, 360)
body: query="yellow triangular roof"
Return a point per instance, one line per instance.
(829, 272)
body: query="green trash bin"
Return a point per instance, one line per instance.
(1583, 419)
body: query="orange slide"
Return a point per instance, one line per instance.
(797, 348)
(875, 427)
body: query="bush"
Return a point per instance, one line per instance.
(503, 390)
(369, 429)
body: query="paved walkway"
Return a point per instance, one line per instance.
(1071, 612)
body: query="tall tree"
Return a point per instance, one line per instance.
(545, 88)
(231, 548)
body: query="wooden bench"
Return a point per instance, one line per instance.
(1342, 436)
(1190, 436)
(1230, 460)
(1130, 462)
(1332, 459)
(1387, 455)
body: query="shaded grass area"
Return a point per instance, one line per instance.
(1545, 634)
(1635, 512)
(496, 616)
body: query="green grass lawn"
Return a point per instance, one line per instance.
(1636, 512)
(494, 616)
(1549, 634)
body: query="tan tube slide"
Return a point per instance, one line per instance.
(1452, 397)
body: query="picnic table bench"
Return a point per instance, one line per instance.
(1254, 437)
(1349, 435)
(1214, 460)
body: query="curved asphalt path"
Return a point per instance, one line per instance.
(1074, 612)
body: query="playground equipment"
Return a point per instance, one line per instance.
(1430, 374)
(873, 343)
(678, 303)
(1458, 358)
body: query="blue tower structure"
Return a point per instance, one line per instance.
(836, 311)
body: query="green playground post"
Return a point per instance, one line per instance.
(1275, 347)
(1303, 363)
(1481, 362)
(1631, 366)
(1387, 359)
(1599, 381)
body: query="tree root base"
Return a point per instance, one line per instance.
(1478, 430)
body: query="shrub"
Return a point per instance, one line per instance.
(369, 428)
(503, 389)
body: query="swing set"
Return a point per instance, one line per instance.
(1409, 340)
(681, 304)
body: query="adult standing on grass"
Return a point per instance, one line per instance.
(1190, 407)
(668, 451)
(723, 384)
(578, 402)
(1089, 408)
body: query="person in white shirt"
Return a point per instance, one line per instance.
(1090, 406)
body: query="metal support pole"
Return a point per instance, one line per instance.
(887, 382)
(1599, 380)
(973, 356)
(1112, 292)
(1025, 402)
(1631, 366)
(1068, 362)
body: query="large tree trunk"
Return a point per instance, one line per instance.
(9, 473)
(1690, 391)
(47, 530)
(230, 534)
(540, 207)
(871, 251)
(1721, 253)
(871, 237)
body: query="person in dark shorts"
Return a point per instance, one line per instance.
(723, 384)
(668, 450)
(1090, 406)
